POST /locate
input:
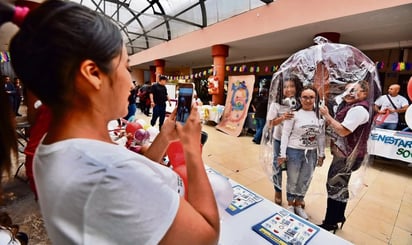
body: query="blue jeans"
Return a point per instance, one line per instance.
(391, 126)
(159, 111)
(277, 172)
(301, 165)
(131, 111)
(260, 123)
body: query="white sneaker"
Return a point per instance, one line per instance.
(299, 211)
(291, 209)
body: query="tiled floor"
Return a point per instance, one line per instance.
(379, 213)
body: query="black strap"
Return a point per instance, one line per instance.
(389, 98)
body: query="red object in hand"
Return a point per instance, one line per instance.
(410, 88)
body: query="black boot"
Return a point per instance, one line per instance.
(330, 223)
(341, 213)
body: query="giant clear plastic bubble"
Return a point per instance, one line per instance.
(333, 69)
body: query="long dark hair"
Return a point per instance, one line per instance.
(8, 139)
(54, 40)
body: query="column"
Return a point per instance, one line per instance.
(160, 68)
(152, 74)
(219, 54)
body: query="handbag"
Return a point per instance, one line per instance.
(401, 116)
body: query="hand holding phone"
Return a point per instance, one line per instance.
(184, 101)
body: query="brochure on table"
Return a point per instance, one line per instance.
(252, 219)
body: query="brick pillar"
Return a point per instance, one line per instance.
(219, 54)
(160, 68)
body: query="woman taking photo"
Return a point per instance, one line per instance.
(92, 191)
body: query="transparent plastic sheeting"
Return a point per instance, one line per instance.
(329, 67)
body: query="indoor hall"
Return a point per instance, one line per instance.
(381, 211)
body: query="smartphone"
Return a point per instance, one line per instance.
(184, 101)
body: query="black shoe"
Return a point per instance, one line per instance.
(342, 222)
(18, 114)
(329, 227)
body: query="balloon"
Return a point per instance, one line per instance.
(221, 188)
(141, 135)
(132, 127)
(131, 119)
(408, 116)
(144, 124)
(410, 88)
(153, 132)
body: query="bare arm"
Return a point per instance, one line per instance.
(278, 120)
(200, 208)
(158, 148)
(151, 99)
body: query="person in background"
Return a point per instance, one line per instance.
(11, 92)
(19, 95)
(144, 95)
(158, 98)
(132, 108)
(279, 112)
(302, 148)
(349, 130)
(389, 107)
(261, 107)
(91, 190)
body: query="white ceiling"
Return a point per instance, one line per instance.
(386, 28)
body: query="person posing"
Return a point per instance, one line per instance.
(91, 190)
(158, 98)
(349, 131)
(389, 106)
(302, 147)
(261, 107)
(279, 112)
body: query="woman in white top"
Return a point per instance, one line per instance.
(302, 147)
(279, 111)
(92, 191)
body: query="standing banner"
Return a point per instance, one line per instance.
(239, 96)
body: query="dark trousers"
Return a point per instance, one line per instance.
(260, 123)
(337, 186)
(159, 111)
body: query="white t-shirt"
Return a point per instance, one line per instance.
(355, 116)
(92, 192)
(305, 131)
(384, 103)
(276, 110)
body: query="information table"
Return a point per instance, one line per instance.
(391, 144)
(237, 228)
(211, 113)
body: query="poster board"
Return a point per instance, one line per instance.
(239, 96)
